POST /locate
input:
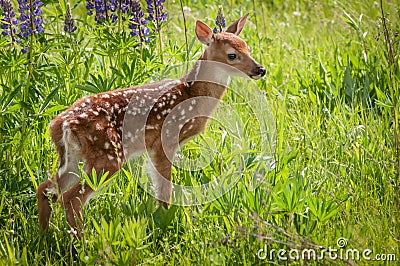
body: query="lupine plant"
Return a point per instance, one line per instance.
(28, 23)
(107, 10)
(220, 21)
(156, 11)
(31, 21)
(103, 10)
(137, 22)
(132, 11)
(9, 20)
(157, 15)
(69, 22)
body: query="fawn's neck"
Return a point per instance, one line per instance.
(207, 78)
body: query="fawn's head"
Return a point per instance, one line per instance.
(227, 48)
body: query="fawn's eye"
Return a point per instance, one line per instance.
(232, 56)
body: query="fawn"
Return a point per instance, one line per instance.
(91, 129)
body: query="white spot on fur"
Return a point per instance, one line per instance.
(151, 126)
(106, 145)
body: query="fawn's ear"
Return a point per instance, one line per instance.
(204, 33)
(237, 26)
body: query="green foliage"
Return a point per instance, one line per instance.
(332, 85)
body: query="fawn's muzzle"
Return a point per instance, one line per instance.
(258, 72)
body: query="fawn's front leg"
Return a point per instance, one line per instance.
(159, 170)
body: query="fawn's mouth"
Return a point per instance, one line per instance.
(256, 76)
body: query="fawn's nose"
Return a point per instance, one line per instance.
(260, 71)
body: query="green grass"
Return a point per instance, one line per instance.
(332, 88)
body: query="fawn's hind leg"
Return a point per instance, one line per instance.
(44, 208)
(66, 176)
(52, 188)
(79, 194)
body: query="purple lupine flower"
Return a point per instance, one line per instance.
(105, 10)
(220, 21)
(69, 22)
(123, 6)
(156, 12)
(101, 9)
(138, 24)
(30, 20)
(89, 7)
(8, 22)
(112, 5)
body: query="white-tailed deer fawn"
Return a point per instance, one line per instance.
(91, 129)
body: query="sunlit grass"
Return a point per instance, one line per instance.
(331, 95)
